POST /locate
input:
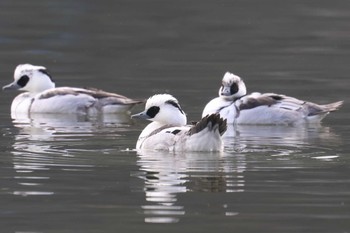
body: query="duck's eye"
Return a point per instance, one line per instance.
(23, 81)
(234, 88)
(152, 111)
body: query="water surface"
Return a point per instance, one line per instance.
(76, 174)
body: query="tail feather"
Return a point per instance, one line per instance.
(212, 121)
(332, 106)
(322, 110)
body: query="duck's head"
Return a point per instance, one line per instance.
(165, 109)
(30, 78)
(232, 87)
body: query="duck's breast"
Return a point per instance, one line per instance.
(161, 138)
(22, 103)
(160, 141)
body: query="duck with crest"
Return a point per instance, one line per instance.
(42, 96)
(169, 130)
(238, 107)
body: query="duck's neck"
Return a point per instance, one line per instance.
(237, 98)
(232, 98)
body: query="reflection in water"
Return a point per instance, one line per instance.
(46, 142)
(68, 120)
(167, 175)
(37, 130)
(180, 47)
(244, 137)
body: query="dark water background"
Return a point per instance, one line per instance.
(63, 174)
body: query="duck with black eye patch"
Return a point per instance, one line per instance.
(41, 96)
(238, 107)
(169, 130)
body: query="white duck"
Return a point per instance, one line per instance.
(169, 131)
(42, 96)
(237, 107)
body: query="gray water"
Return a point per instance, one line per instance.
(68, 174)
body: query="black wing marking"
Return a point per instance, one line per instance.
(209, 121)
(267, 100)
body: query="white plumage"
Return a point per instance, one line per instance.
(237, 107)
(168, 130)
(41, 95)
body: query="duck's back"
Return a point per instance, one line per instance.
(73, 100)
(62, 100)
(270, 108)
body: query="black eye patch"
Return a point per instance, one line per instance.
(234, 88)
(176, 105)
(23, 81)
(152, 111)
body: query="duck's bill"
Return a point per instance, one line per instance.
(141, 115)
(11, 86)
(226, 91)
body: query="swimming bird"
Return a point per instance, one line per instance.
(238, 107)
(41, 95)
(168, 130)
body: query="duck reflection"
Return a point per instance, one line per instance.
(295, 136)
(168, 175)
(67, 120)
(38, 129)
(47, 142)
